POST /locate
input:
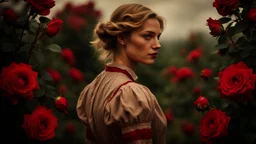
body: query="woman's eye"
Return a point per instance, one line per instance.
(147, 37)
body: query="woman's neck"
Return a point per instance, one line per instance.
(124, 61)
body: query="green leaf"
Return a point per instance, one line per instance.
(241, 40)
(244, 54)
(8, 47)
(44, 19)
(46, 76)
(237, 28)
(224, 20)
(216, 78)
(54, 48)
(221, 46)
(222, 39)
(33, 26)
(41, 92)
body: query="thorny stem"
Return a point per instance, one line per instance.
(22, 32)
(33, 43)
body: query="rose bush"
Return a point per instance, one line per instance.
(236, 42)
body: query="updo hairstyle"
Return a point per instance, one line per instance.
(124, 19)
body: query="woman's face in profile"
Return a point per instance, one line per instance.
(143, 44)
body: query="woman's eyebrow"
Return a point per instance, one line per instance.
(152, 32)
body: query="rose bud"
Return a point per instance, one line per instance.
(54, 27)
(201, 103)
(61, 104)
(188, 128)
(168, 115)
(206, 73)
(215, 27)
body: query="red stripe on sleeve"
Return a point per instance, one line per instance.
(139, 134)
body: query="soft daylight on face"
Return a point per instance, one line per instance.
(143, 44)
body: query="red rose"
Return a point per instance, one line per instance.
(63, 89)
(42, 7)
(76, 23)
(236, 82)
(68, 56)
(215, 26)
(54, 27)
(183, 73)
(206, 73)
(70, 128)
(18, 81)
(252, 14)
(226, 7)
(61, 104)
(197, 90)
(188, 128)
(213, 125)
(168, 115)
(41, 124)
(76, 75)
(194, 55)
(56, 77)
(201, 103)
(9, 15)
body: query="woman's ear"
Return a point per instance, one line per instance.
(121, 39)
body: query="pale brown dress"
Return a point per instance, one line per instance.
(117, 110)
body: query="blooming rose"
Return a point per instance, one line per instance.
(252, 14)
(201, 103)
(68, 56)
(42, 7)
(215, 26)
(41, 124)
(225, 7)
(213, 125)
(9, 15)
(76, 75)
(206, 73)
(18, 81)
(183, 73)
(54, 27)
(236, 82)
(56, 77)
(61, 104)
(194, 55)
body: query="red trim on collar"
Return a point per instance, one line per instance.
(115, 69)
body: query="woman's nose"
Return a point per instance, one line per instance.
(156, 44)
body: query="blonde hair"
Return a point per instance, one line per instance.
(124, 19)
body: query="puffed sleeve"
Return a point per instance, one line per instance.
(80, 106)
(131, 109)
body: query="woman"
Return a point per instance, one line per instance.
(114, 108)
